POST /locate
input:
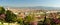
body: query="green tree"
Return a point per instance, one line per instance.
(10, 16)
(29, 19)
(2, 13)
(2, 10)
(20, 21)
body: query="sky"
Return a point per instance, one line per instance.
(30, 3)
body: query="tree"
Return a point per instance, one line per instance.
(20, 21)
(10, 16)
(46, 20)
(29, 19)
(2, 10)
(2, 13)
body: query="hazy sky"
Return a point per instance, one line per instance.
(30, 3)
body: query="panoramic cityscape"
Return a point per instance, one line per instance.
(29, 12)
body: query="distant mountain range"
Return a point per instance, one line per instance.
(37, 7)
